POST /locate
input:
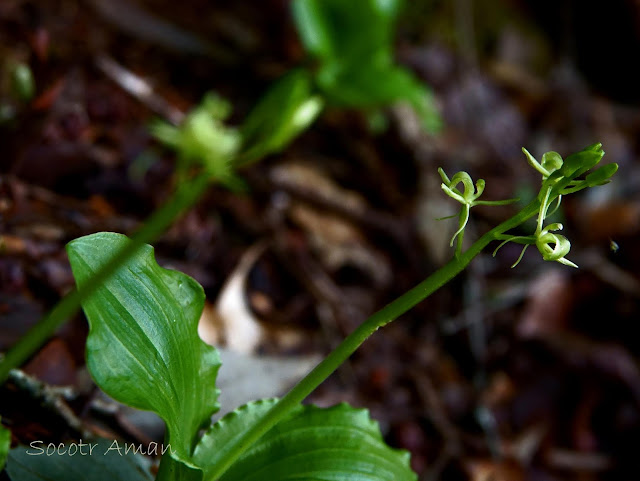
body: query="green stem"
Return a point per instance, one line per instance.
(185, 196)
(384, 316)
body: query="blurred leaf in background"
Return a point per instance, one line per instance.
(282, 113)
(23, 85)
(353, 43)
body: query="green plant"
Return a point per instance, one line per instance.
(143, 350)
(5, 441)
(203, 141)
(352, 42)
(22, 84)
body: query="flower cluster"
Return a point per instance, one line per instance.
(559, 177)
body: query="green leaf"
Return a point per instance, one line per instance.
(367, 87)
(353, 42)
(312, 443)
(390, 8)
(5, 443)
(105, 463)
(282, 113)
(313, 27)
(217, 440)
(370, 86)
(172, 469)
(143, 347)
(332, 29)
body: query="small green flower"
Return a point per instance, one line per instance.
(561, 245)
(204, 141)
(543, 240)
(551, 161)
(468, 198)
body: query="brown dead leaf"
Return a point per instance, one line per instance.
(242, 331)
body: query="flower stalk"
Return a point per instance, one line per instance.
(555, 183)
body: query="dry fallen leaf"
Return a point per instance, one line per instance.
(242, 332)
(246, 376)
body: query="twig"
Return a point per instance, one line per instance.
(51, 398)
(138, 88)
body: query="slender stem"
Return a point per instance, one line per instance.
(185, 196)
(464, 219)
(384, 316)
(543, 212)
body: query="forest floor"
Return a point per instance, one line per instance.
(529, 373)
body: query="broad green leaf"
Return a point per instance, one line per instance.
(143, 347)
(216, 443)
(103, 463)
(334, 444)
(5, 443)
(282, 113)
